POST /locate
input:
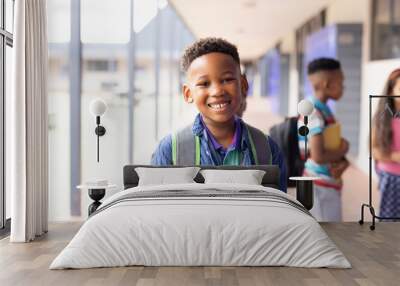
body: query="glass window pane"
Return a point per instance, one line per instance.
(144, 13)
(59, 14)
(165, 88)
(385, 30)
(9, 15)
(3, 138)
(178, 101)
(8, 71)
(144, 110)
(396, 11)
(59, 21)
(104, 76)
(8, 74)
(59, 134)
(104, 21)
(383, 11)
(1, 15)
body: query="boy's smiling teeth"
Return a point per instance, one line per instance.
(218, 106)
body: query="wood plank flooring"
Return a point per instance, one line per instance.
(374, 255)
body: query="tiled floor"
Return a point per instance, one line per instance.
(355, 190)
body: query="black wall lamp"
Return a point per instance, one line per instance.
(304, 185)
(305, 108)
(97, 108)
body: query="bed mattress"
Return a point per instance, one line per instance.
(201, 225)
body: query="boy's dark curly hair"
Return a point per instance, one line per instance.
(323, 64)
(206, 46)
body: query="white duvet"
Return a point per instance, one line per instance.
(183, 231)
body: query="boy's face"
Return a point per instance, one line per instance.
(335, 84)
(216, 87)
(328, 83)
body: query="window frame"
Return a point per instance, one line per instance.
(374, 53)
(6, 39)
(314, 24)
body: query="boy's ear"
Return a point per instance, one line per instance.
(244, 84)
(187, 94)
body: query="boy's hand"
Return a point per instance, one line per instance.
(338, 168)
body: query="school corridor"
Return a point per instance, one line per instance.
(355, 189)
(134, 66)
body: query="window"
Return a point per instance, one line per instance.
(311, 26)
(6, 43)
(133, 65)
(385, 29)
(59, 63)
(101, 65)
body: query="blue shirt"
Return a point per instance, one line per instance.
(208, 155)
(220, 150)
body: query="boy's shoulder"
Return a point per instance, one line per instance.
(166, 141)
(162, 155)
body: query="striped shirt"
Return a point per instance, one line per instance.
(321, 117)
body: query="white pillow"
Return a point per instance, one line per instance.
(163, 176)
(248, 177)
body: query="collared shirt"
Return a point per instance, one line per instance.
(163, 153)
(220, 151)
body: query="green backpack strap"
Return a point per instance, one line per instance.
(259, 146)
(185, 147)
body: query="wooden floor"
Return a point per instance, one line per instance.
(374, 255)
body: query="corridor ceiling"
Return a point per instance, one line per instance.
(253, 25)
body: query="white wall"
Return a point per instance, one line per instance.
(374, 77)
(346, 11)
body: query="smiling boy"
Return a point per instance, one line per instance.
(217, 88)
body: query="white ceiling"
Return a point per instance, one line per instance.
(253, 25)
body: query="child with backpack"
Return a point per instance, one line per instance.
(217, 136)
(386, 147)
(326, 78)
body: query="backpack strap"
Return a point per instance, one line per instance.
(185, 147)
(259, 146)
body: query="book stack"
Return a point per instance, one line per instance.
(332, 136)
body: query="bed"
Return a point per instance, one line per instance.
(201, 224)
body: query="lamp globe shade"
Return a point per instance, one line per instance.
(97, 107)
(305, 107)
